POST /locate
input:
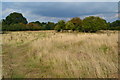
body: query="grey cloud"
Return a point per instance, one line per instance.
(62, 9)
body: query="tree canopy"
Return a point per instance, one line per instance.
(115, 23)
(60, 25)
(15, 18)
(93, 24)
(77, 23)
(17, 22)
(70, 26)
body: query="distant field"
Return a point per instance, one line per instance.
(47, 54)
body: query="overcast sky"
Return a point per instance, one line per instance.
(55, 11)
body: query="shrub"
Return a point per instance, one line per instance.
(93, 24)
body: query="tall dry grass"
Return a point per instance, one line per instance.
(65, 55)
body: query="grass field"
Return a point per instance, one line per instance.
(47, 54)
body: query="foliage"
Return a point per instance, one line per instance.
(60, 25)
(33, 26)
(50, 26)
(58, 28)
(114, 25)
(93, 24)
(15, 18)
(14, 27)
(77, 22)
(70, 26)
(16, 22)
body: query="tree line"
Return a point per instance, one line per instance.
(16, 22)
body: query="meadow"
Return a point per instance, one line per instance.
(50, 54)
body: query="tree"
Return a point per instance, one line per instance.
(17, 27)
(14, 27)
(58, 28)
(50, 26)
(4, 25)
(0, 26)
(70, 26)
(33, 26)
(115, 23)
(37, 22)
(43, 24)
(60, 25)
(16, 21)
(77, 22)
(15, 18)
(93, 24)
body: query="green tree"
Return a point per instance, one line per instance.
(50, 26)
(115, 23)
(33, 26)
(57, 28)
(15, 18)
(14, 27)
(60, 26)
(77, 22)
(70, 26)
(0, 26)
(93, 24)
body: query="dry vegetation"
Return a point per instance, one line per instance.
(60, 55)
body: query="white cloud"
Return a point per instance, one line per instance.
(116, 16)
(7, 11)
(35, 13)
(41, 18)
(99, 15)
(108, 17)
(33, 17)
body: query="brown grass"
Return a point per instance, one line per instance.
(60, 55)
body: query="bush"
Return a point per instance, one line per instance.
(77, 23)
(15, 18)
(16, 22)
(60, 26)
(70, 26)
(93, 24)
